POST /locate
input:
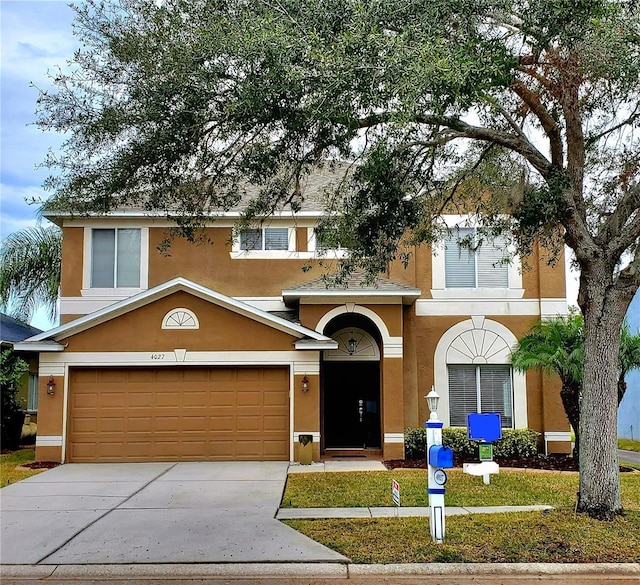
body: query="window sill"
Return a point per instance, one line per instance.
(477, 293)
(283, 255)
(110, 292)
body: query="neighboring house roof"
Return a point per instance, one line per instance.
(12, 330)
(356, 285)
(46, 341)
(314, 189)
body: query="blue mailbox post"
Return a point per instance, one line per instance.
(439, 458)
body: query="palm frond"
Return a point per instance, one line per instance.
(30, 268)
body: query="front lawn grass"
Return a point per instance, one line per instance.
(515, 488)
(8, 463)
(629, 445)
(557, 535)
(552, 536)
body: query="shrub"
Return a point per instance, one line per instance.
(457, 440)
(11, 370)
(415, 443)
(517, 443)
(514, 444)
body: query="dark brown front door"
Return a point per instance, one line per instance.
(352, 405)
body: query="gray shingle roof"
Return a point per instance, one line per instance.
(12, 331)
(313, 189)
(355, 282)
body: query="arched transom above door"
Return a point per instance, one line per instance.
(353, 344)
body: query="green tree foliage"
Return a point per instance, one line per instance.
(556, 346)
(11, 370)
(30, 261)
(433, 104)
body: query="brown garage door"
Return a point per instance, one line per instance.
(178, 414)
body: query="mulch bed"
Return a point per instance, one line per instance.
(550, 463)
(39, 465)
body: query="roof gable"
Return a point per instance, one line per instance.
(168, 288)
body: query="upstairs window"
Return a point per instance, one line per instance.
(477, 266)
(484, 388)
(264, 239)
(115, 258)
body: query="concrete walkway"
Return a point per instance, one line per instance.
(338, 465)
(392, 512)
(152, 513)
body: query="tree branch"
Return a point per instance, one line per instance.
(517, 143)
(617, 234)
(591, 140)
(549, 125)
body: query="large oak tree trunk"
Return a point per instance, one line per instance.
(604, 308)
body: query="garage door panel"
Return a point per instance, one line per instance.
(221, 398)
(274, 422)
(194, 398)
(248, 423)
(178, 414)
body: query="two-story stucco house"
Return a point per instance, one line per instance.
(230, 350)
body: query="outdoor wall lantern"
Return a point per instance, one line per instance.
(305, 384)
(51, 386)
(432, 403)
(352, 345)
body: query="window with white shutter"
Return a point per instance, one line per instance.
(475, 267)
(264, 239)
(486, 388)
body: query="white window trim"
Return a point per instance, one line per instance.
(88, 290)
(439, 289)
(441, 372)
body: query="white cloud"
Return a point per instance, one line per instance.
(36, 36)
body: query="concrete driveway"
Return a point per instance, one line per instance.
(152, 513)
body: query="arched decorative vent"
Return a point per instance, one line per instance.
(478, 346)
(180, 318)
(353, 344)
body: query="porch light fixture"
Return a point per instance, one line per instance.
(432, 403)
(305, 384)
(352, 344)
(51, 386)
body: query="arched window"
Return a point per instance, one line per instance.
(353, 344)
(473, 374)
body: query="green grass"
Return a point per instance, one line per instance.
(516, 488)
(8, 463)
(629, 445)
(553, 536)
(557, 535)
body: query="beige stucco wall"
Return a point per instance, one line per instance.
(141, 330)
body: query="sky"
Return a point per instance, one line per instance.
(36, 38)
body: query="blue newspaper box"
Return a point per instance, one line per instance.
(440, 456)
(485, 426)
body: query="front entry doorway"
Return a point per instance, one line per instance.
(352, 405)
(351, 391)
